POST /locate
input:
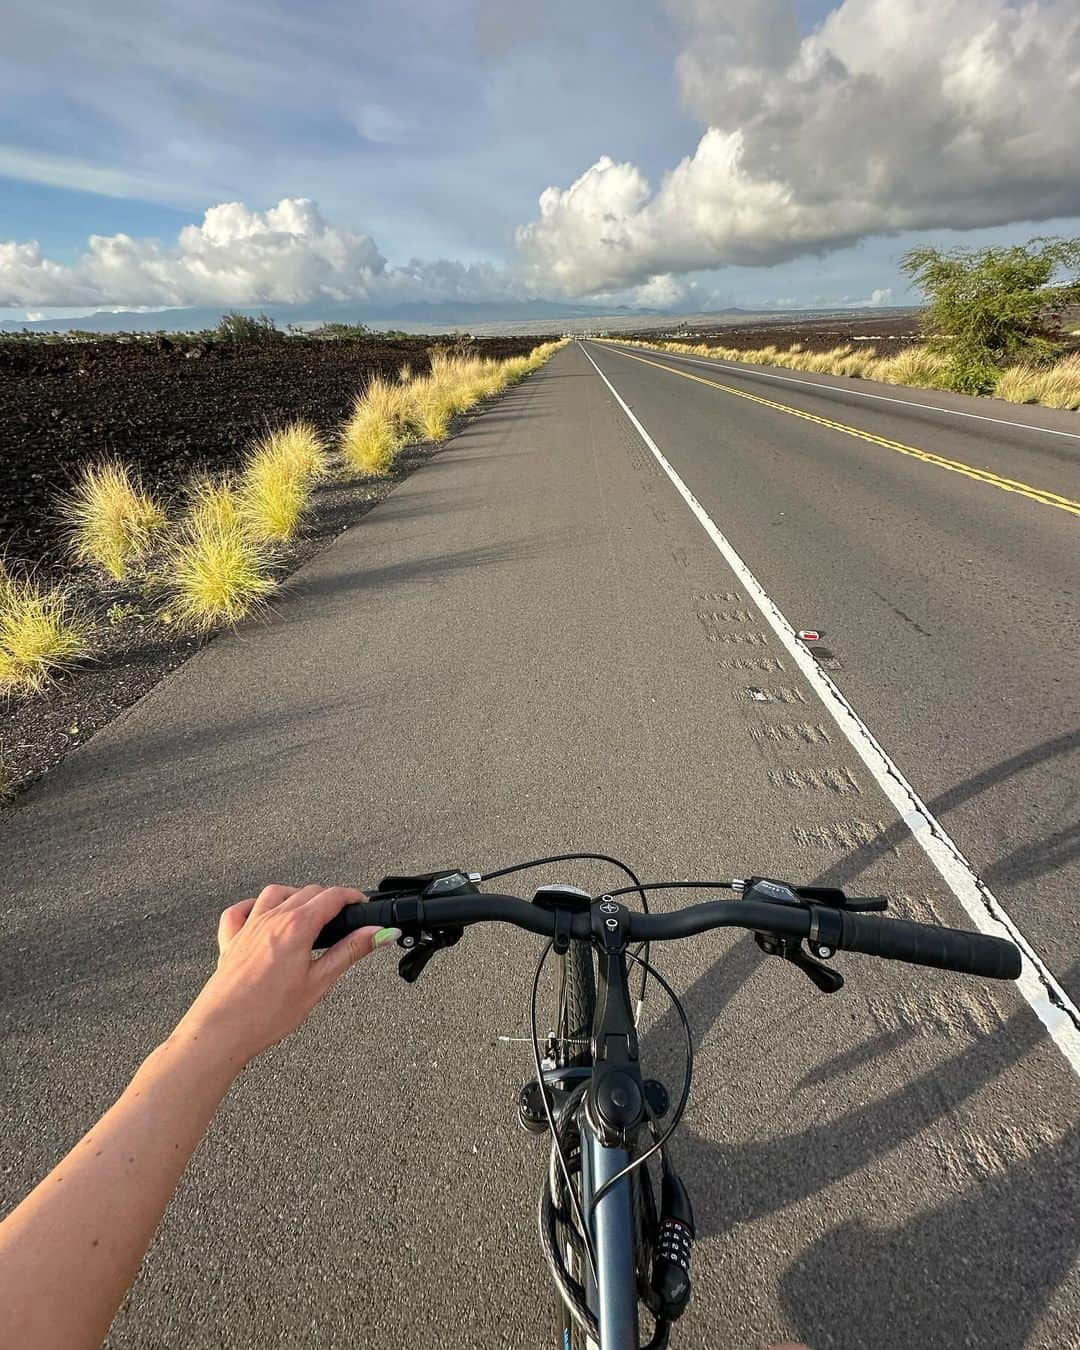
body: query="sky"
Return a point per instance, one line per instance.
(687, 154)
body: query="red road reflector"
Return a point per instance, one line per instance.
(809, 634)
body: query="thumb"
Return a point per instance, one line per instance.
(231, 921)
(345, 953)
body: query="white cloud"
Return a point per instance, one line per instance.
(287, 255)
(892, 115)
(38, 166)
(660, 292)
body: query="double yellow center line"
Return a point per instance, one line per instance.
(1035, 494)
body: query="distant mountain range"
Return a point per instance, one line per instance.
(479, 317)
(413, 314)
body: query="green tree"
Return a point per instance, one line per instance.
(342, 330)
(236, 327)
(991, 307)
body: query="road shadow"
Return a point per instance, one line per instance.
(1030, 861)
(855, 1288)
(427, 569)
(84, 966)
(978, 1270)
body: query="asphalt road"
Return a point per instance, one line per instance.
(523, 650)
(951, 607)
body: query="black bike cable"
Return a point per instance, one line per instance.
(556, 1143)
(552, 1212)
(588, 857)
(570, 857)
(658, 1146)
(672, 886)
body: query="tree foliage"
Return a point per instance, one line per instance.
(342, 330)
(237, 327)
(992, 307)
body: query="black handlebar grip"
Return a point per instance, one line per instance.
(353, 917)
(929, 945)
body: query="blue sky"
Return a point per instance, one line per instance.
(690, 152)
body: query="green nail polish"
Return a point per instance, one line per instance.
(385, 935)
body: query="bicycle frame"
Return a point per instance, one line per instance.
(612, 1295)
(612, 1298)
(431, 911)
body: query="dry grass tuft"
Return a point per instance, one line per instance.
(915, 366)
(1018, 384)
(111, 520)
(1055, 386)
(276, 480)
(274, 496)
(516, 368)
(433, 408)
(381, 423)
(42, 633)
(388, 416)
(301, 446)
(214, 503)
(216, 570)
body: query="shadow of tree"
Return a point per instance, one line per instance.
(1027, 861)
(833, 1300)
(987, 1264)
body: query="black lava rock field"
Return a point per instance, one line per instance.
(169, 407)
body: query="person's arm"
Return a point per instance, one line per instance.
(70, 1250)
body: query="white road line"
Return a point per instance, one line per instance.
(1053, 1007)
(862, 393)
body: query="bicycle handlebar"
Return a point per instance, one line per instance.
(892, 939)
(924, 944)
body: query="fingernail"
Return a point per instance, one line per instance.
(385, 935)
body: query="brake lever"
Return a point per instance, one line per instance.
(829, 981)
(411, 966)
(834, 898)
(826, 979)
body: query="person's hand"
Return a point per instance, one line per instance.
(266, 982)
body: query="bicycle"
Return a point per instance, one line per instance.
(608, 1244)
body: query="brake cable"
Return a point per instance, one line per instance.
(641, 886)
(556, 1142)
(658, 1145)
(590, 857)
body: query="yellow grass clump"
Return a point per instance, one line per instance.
(433, 408)
(42, 633)
(214, 503)
(516, 368)
(422, 407)
(301, 446)
(276, 480)
(274, 496)
(216, 570)
(1054, 386)
(111, 520)
(379, 426)
(1018, 384)
(915, 366)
